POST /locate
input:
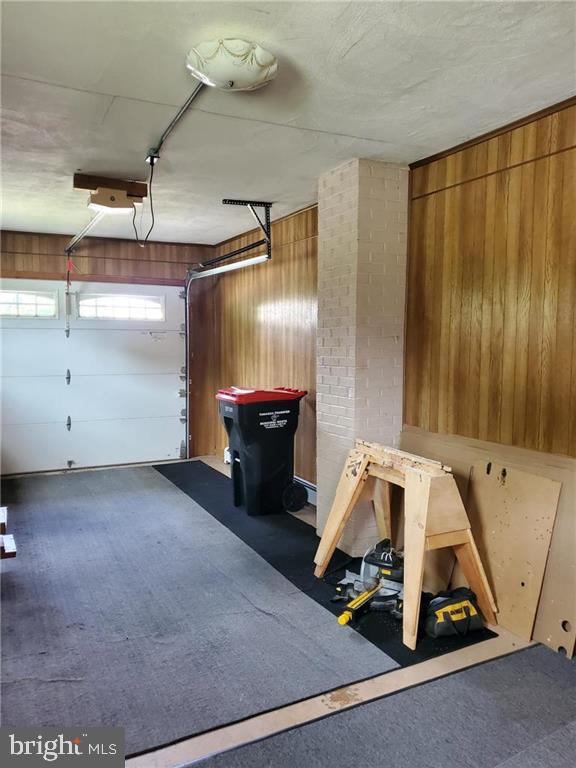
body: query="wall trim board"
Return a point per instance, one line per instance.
(553, 108)
(557, 603)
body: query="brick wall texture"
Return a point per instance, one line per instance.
(362, 232)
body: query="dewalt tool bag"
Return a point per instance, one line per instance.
(454, 612)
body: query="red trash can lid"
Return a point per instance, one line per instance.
(243, 396)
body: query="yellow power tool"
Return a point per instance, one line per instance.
(357, 606)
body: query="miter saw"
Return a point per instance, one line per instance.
(378, 587)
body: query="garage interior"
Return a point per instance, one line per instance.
(225, 223)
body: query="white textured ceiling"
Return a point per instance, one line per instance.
(92, 85)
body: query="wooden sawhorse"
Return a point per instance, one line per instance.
(434, 518)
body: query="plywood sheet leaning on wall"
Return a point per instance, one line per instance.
(555, 623)
(512, 515)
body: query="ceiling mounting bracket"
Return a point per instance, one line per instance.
(264, 225)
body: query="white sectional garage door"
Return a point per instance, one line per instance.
(121, 401)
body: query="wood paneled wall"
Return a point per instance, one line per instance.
(491, 325)
(202, 369)
(41, 256)
(260, 331)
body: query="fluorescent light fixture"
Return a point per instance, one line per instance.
(107, 209)
(112, 201)
(230, 267)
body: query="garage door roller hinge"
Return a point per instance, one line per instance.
(68, 423)
(68, 376)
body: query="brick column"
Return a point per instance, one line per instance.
(362, 229)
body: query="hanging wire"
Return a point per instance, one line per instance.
(141, 221)
(143, 242)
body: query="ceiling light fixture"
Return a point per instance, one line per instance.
(232, 64)
(114, 201)
(193, 275)
(107, 195)
(229, 64)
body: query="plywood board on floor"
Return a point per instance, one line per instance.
(512, 514)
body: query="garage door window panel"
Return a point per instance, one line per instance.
(29, 304)
(121, 307)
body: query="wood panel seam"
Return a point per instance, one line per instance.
(493, 173)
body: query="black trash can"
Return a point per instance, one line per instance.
(261, 425)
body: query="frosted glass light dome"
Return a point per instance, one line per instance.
(232, 64)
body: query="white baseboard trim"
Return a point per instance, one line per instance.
(310, 487)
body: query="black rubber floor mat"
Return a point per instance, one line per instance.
(289, 545)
